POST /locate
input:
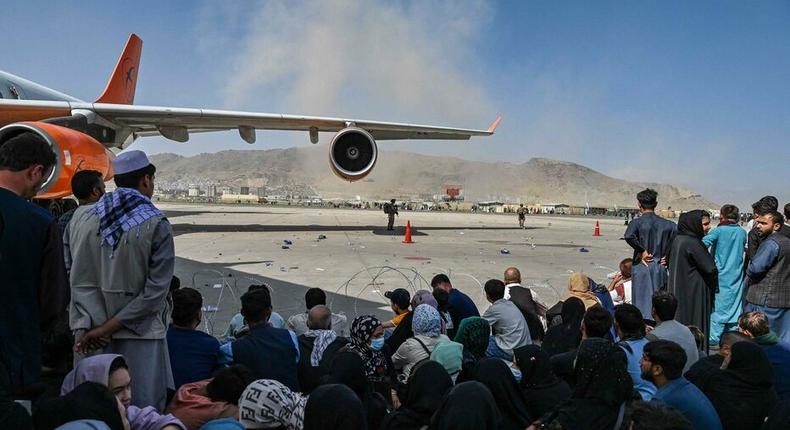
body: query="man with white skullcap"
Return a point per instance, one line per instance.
(120, 256)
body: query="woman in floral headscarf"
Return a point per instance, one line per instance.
(367, 340)
(427, 327)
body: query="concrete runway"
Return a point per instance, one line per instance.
(359, 260)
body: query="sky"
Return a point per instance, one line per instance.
(689, 93)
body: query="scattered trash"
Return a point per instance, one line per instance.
(283, 269)
(584, 250)
(319, 269)
(216, 286)
(287, 242)
(321, 236)
(532, 245)
(294, 267)
(504, 251)
(286, 247)
(220, 253)
(209, 308)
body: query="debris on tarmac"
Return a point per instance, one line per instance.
(504, 251)
(584, 250)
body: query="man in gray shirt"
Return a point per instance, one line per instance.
(314, 297)
(508, 327)
(664, 307)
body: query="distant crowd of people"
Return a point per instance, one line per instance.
(97, 333)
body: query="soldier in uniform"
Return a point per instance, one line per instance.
(522, 214)
(391, 210)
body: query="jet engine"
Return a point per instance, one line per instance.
(352, 153)
(74, 150)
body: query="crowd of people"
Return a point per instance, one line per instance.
(97, 333)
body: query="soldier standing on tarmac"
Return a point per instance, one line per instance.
(391, 210)
(522, 214)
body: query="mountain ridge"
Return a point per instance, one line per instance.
(404, 174)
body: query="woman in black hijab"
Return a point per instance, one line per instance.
(742, 392)
(603, 385)
(566, 336)
(495, 375)
(89, 401)
(348, 368)
(542, 389)
(467, 406)
(334, 407)
(692, 272)
(428, 383)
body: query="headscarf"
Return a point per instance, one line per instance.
(84, 425)
(424, 297)
(88, 401)
(122, 210)
(322, 340)
(497, 377)
(348, 368)
(535, 366)
(268, 404)
(601, 372)
(467, 406)
(473, 334)
(690, 224)
(427, 321)
(542, 389)
(334, 407)
(223, 424)
(602, 387)
(566, 336)
(95, 368)
(743, 393)
(427, 384)
(361, 329)
(579, 287)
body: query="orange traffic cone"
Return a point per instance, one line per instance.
(597, 229)
(407, 239)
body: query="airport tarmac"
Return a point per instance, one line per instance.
(235, 246)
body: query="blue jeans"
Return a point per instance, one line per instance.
(495, 351)
(778, 318)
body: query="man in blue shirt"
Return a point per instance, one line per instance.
(631, 332)
(269, 352)
(662, 364)
(194, 354)
(461, 306)
(726, 243)
(649, 236)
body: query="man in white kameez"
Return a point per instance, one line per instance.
(120, 256)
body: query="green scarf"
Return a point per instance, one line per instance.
(769, 338)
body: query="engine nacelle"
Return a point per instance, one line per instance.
(352, 154)
(74, 150)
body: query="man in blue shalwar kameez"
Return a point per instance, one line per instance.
(727, 243)
(649, 235)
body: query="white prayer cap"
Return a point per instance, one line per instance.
(129, 161)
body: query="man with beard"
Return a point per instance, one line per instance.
(35, 291)
(769, 275)
(662, 364)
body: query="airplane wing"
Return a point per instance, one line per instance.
(149, 120)
(177, 123)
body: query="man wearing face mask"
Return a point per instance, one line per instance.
(35, 291)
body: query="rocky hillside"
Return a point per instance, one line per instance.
(403, 174)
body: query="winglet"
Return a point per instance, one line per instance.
(494, 124)
(123, 81)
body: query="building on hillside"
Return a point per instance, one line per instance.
(193, 191)
(239, 198)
